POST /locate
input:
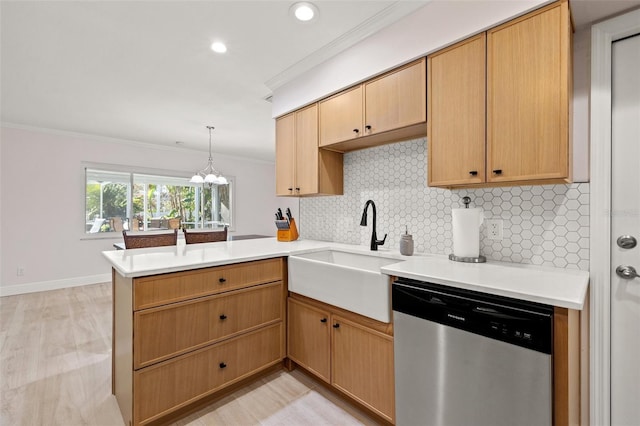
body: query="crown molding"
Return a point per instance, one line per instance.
(380, 20)
(106, 139)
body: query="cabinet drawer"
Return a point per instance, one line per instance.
(165, 387)
(175, 287)
(170, 330)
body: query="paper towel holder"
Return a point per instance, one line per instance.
(479, 259)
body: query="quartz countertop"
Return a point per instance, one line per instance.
(182, 257)
(553, 286)
(566, 288)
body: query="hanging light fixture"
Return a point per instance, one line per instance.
(209, 174)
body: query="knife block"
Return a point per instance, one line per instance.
(290, 234)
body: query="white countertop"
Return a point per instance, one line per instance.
(182, 257)
(559, 287)
(566, 288)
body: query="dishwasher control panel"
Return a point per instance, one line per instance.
(525, 324)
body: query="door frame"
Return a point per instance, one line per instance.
(602, 35)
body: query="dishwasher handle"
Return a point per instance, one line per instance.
(494, 313)
(431, 300)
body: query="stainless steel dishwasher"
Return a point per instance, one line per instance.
(465, 358)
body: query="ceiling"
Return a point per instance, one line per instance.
(143, 71)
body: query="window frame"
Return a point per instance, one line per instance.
(132, 171)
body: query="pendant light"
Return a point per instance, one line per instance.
(209, 174)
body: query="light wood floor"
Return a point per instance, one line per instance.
(55, 369)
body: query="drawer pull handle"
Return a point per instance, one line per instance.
(223, 365)
(498, 171)
(323, 320)
(473, 173)
(368, 127)
(223, 317)
(222, 280)
(356, 131)
(336, 325)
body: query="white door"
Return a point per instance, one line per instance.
(625, 221)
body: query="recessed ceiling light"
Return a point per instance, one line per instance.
(304, 11)
(218, 47)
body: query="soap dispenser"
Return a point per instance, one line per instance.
(406, 243)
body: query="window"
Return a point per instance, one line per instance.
(123, 200)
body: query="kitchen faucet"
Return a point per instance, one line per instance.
(374, 238)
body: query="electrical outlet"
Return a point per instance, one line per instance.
(20, 271)
(494, 229)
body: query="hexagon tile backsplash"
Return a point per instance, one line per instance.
(542, 225)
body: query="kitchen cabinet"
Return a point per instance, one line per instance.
(309, 337)
(343, 349)
(456, 114)
(301, 167)
(341, 116)
(385, 109)
(528, 94)
(181, 337)
(357, 351)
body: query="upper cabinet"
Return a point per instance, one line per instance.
(527, 104)
(341, 117)
(528, 86)
(301, 167)
(386, 109)
(456, 108)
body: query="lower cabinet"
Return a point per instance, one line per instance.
(309, 337)
(203, 372)
(181, 337)
(352, 353)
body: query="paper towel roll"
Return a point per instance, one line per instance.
(466, 231)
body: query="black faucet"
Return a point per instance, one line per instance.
(374, 238)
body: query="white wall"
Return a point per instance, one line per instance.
(581, 87)
(438, 24)
(42, 203)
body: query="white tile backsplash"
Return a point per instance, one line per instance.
(543, 225)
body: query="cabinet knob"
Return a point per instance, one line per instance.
(223, 365)
(323, 320)
(223, 317)
(222, 280)
(473, 173)
(497, 171)
(356, 131)
(298, 189)
(290, 189)
(368, 128)
(336, 325)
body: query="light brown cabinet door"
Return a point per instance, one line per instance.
(285, 154)
(167, 331)
(306, 163)
(170, 385)
(528, 83)
(341, 117)
(309, 337)
(157, 290)
(396, 100)
(456, 114)
(363, 365)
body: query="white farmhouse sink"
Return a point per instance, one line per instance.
(351, 281)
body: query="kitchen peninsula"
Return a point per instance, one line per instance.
(192, 320)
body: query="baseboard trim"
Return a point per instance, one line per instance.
(53, 284)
